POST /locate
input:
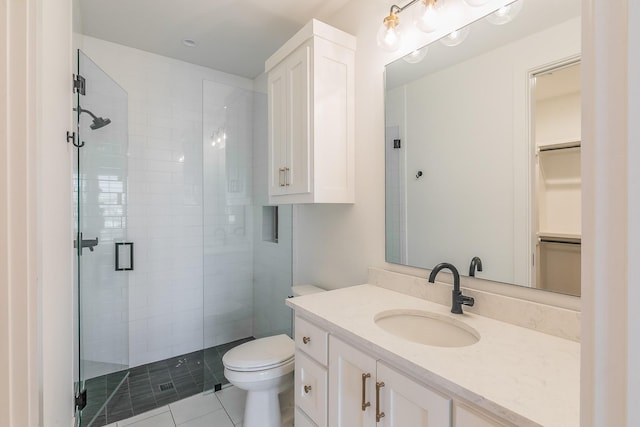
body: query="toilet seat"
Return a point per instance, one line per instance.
(261, 354)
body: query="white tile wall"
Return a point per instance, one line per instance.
(201, 277)
(272, 261)
(165, 203)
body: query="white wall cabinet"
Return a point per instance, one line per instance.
(311, 117)
(356, 389)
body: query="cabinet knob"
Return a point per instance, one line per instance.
(306, 340)
(307, 389)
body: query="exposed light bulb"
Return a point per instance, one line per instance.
(455, 37)
(388, 37)
(416, 56)
(505, 14)
(429, 14)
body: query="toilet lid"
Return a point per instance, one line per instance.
(262, 353)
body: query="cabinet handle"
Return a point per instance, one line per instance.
(281, 182)
(286, 177)
(307, 389)
(365, 405)
(379, 415)
(306, 340)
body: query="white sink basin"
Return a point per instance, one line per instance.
(428, 328)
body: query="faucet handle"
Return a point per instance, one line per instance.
(465, 300)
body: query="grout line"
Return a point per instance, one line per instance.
(225, 409)
(172, 417)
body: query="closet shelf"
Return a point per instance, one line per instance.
(559, 146)
(546, 236)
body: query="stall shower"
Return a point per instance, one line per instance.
(179, 256)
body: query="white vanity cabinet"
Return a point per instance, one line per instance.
(365, 392)
(311, 117)
(340, 385)
(310, 381)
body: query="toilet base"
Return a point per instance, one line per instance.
(262, 409)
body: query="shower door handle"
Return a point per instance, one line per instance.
(124, 256)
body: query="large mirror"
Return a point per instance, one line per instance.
(483, 151)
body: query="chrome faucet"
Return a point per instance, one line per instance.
(457, 299)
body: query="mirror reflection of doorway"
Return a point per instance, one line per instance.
(557, 194)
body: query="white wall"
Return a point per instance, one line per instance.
(54, 208)
(228, 225)
(610, 374)
(19, 322)
(633, 287)
(35, 213)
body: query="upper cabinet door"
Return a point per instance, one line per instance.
(277, 118)
(311, 117)
(298, 122)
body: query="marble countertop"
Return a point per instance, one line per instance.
(523, 376)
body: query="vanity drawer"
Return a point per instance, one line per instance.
(311, 389)
(312, 340)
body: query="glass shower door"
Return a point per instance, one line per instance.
(104, 256)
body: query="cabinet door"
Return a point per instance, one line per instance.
(406, 403)
(352, 386)
(310, 384)
(297, 179)
(277, 118)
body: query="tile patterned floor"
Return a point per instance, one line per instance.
(154, 385)
(224, 408)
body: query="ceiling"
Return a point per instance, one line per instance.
(234, 36)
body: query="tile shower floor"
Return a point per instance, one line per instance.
(155, 385)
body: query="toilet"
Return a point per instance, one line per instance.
(264, 368)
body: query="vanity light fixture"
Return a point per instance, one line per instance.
(456, 37)
(416, 56)
(429, 15)
(427, 20)
(506, 13)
